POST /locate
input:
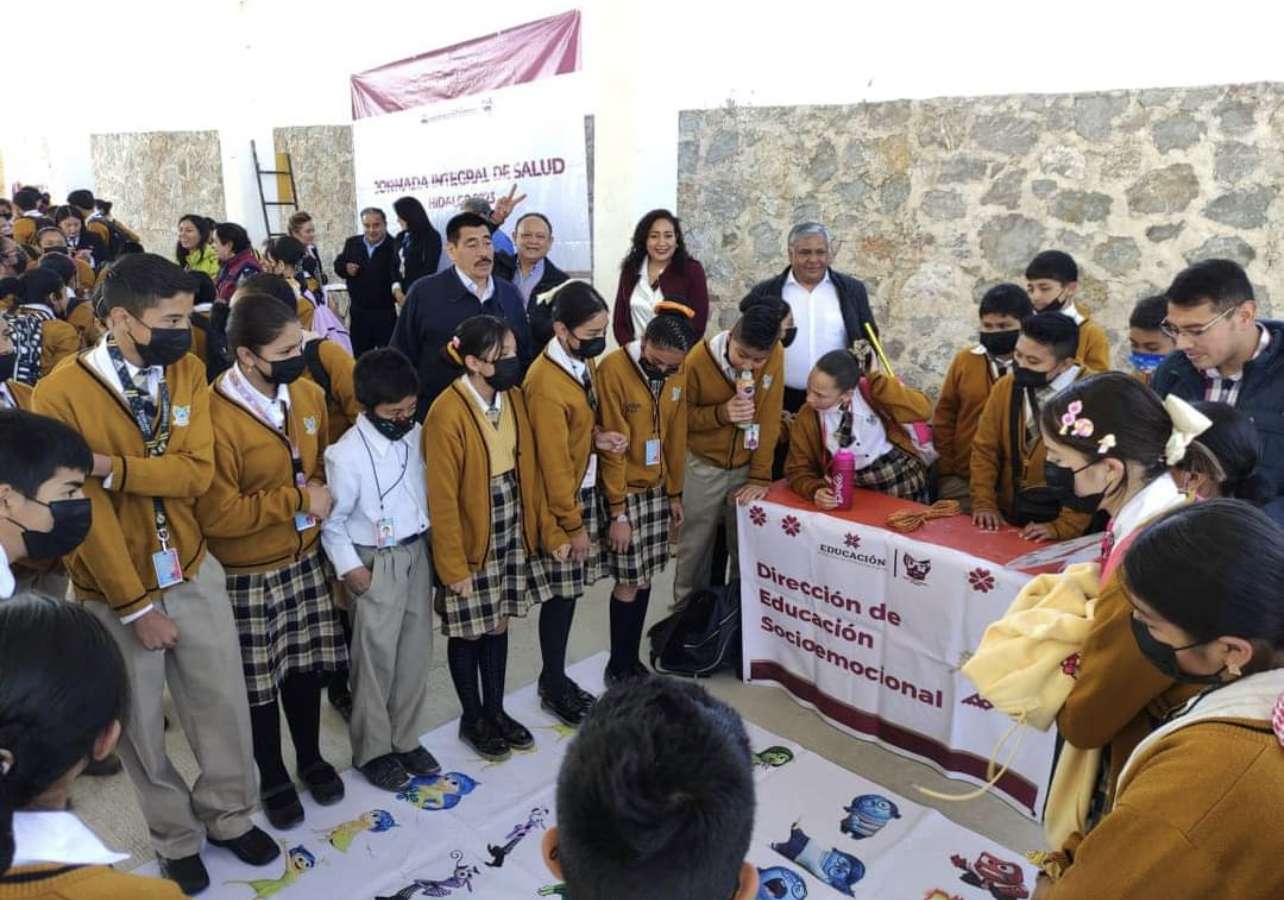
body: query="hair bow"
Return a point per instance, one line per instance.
(1188, 424)
(546, 298)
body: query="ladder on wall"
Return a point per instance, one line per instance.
(281, 175)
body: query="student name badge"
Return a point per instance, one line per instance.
(169, 571)
(751, 436)
(590, 476)
(385, 533)
(303, 521)
(653, 452)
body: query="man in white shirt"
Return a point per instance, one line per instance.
(376, 537)
(831, 310)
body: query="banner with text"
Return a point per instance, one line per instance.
(870, 628)
(529, 135)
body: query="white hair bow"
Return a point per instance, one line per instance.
(546, 298)
(1188, 424)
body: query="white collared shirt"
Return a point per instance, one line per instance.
(999, 366)
(7, 583)
(643, 300)
(7, 400)
(247, 395)
(1154, 499)
(718, 349)
(1043, 395)
(869, 437)
(58, 837)
(557, 353)
(1069, 309)
(359, 467)
(472, 287)
(100, 359)
(818, 316)
(497, 405)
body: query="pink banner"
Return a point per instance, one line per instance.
(517, 55)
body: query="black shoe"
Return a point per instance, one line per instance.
(484, 737)
(634, 672)
(282, 807)
(586, 699)
(419, 762)
(188, 873)
(324, 783)
(386, 772)
(516, 735)
(564, 705)
(101, 768)
(340, 698)
(255, 847)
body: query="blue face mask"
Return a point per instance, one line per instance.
(1146, 363)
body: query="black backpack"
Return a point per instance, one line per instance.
(702, 636)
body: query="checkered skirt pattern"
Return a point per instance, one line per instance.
(649, 552)
(571, 579)
(509, 583)
(287, 623)
(897, 473)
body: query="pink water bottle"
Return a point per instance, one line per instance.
(843, 477)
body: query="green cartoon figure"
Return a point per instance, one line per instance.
(773, 757)
(298, 860)
(376, 821)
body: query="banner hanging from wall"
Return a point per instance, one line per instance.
(490, 125)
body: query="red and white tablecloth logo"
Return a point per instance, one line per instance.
(758, 515)
(981, 580)
(791, 526)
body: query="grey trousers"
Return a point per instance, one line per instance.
(203, 673)
(391, 651)
(952, 487)
(706, 502)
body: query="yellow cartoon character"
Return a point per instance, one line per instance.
(341, 836)
(298, 860)
(436, 792)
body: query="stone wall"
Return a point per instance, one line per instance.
(323, 174)
(934, 201)
(154, 178)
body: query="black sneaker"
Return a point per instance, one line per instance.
(282, 807)
(386, 772)
(340, 697)
(634, 672)
(516, 735)
(188, 873)
(255, 847)
(586, 699)
(101, 768)
(323, 782)
(419, 762)
(564, 705)
(484, 737)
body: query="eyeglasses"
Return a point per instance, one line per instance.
(1195, 331)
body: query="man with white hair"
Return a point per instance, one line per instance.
(830, 308)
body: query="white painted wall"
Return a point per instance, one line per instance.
(244, 66)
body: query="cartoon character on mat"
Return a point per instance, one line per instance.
(435, 792)
(773, 757)
(298, 861)
(554, 890)
(779, 883)
(461, 878)
(1004, 880)
(341, 836)
(938, 894)
(837, 869)
(533, 821)
(868, 815)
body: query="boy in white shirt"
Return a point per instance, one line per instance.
(376, 537)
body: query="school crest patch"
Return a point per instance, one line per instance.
(182, 416)
(310, 425)
(677, 394)
(766, 382)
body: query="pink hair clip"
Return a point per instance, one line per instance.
(1072, 423)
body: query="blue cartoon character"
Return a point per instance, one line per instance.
(298, 861)
(773, 757)
(779, 883)
(341, 836)
(462, 877)
(868, 815)
(837, 869)
(434, 792)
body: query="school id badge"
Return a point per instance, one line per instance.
(752, 434)
(169, 571)
(385, 533)
(303, 521)
(653, 452)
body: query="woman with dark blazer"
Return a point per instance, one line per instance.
(658, 268)
(418, 242)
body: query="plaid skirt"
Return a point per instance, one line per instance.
(649, 552)
(897, 473)
(287, 623)
(509, 583)
(571, 579)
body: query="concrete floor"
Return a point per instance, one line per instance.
(108, 805)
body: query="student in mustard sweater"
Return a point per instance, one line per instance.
(141, 403)
(263, 516)
(841, 413)
(43, 339)
(735, 392)
(640, 388)
(490, 519)
(79, 311)
(1008, 484)
(562, 388)
(283, 257)
(1198, 798)
(967, 386)
(1051, 281)
(58, 711)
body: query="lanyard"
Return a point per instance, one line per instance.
(152, 422)
(262, 411)
(405, 463)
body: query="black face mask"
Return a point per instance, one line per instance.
(508, 373)
(1060, 480)
(654, 373)
(1028, 378)
(166, 347)
(1000, 343)
(71, 521)
(590, 347)
(1164, 657)
(8, 361)
(1056, 305)
(788, 337)
(393, 429)
(286, 371)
